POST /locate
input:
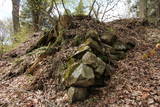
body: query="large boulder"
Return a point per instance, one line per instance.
(77, 94)
(83, 76)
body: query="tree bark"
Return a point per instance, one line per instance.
(35, 8)
(15, 15)
(158, 12)
(143, 8)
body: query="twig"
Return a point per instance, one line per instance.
(92, 7)
(64, 7)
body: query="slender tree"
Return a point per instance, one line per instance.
(15, 15)
(35, 6)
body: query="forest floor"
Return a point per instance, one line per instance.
(135, 83)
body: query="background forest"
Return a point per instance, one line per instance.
(80, 53)
(29, 16)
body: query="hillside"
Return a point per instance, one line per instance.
(116, 64)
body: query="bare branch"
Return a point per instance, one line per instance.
(109, 9)
(92, 8)
(64, 7)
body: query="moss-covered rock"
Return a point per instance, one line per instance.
(93, 34)
(89, 59)
(81, 51)
(82, 76)
(119, 46)
(94, 45)
(77, 94)
(118, 55)
(71, 67)
(101, 67)
(96, 63)
(108, 38)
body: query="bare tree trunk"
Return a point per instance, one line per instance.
(35, 7)
(15, 15)
(158, 12)
(143, 8)
(35, 20)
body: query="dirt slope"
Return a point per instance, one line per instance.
(136, 81)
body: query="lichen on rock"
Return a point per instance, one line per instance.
(82, 76)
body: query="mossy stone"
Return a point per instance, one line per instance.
(82, 76)
(108, 38)
(77, 94)
(71, 67)
(92, 34)
(81, 51)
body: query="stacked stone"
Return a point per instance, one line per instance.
(92, 63)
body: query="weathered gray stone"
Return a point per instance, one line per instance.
(118, 55)
(83, 76)
(101, 66)
(108, 38)
(119, 46)
(96, 63)
(90, 59)
(93, 34)
(77, 94)
(94, 45)
(81, 51)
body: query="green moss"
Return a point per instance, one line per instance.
(93, 34)
(111, 30)
(78, 40)
(38, 51)
(71, 67)
(81, 51)
(17, 61)
(104, 58)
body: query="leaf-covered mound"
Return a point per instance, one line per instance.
(82, 45)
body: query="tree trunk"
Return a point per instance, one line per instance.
(35, 20)
(143, 8)
(35, 8)
(158, 13)
(15, 15)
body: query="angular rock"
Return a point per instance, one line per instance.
(77, 94)
(93, 34)
(96, 63)
(119, 46)
(89, 59)
(108, 38)
(118, 56)
(71, 67)
(101, 66)
(94, 45)
(83, 76)
(81, 51)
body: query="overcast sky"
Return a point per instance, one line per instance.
(6, 9)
